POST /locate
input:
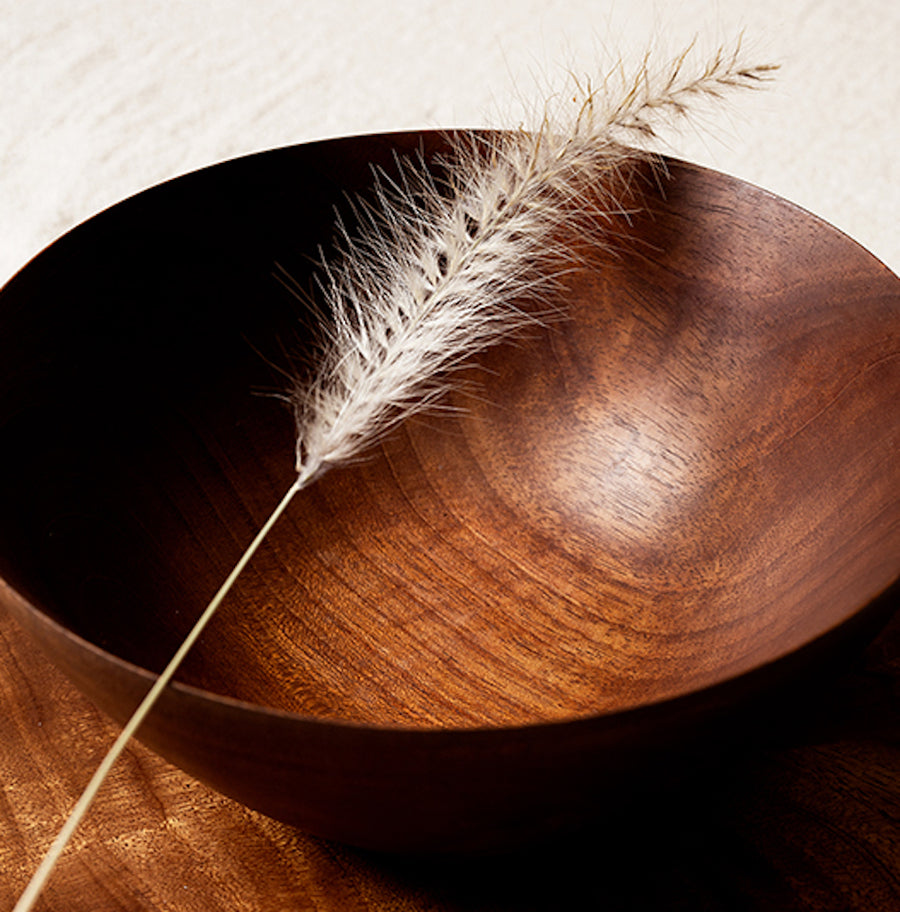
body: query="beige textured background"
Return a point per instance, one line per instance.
(99, 99)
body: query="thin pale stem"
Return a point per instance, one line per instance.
(42, 874)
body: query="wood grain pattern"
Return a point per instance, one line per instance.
(634, 524)
(807, 819)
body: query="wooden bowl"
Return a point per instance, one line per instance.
(507, 615)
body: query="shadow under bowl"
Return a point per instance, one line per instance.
(631, 521)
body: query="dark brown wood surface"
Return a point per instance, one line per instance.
(580, 598)
(810, 821)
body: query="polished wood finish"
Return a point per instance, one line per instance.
(635, 523)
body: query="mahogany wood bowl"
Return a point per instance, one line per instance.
(639, 516)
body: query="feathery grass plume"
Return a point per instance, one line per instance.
(435, 272)
(437, 268)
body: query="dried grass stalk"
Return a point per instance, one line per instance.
(436, 272)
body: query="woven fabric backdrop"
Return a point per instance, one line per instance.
(99, 98)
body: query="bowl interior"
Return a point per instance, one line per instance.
(693, 473)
